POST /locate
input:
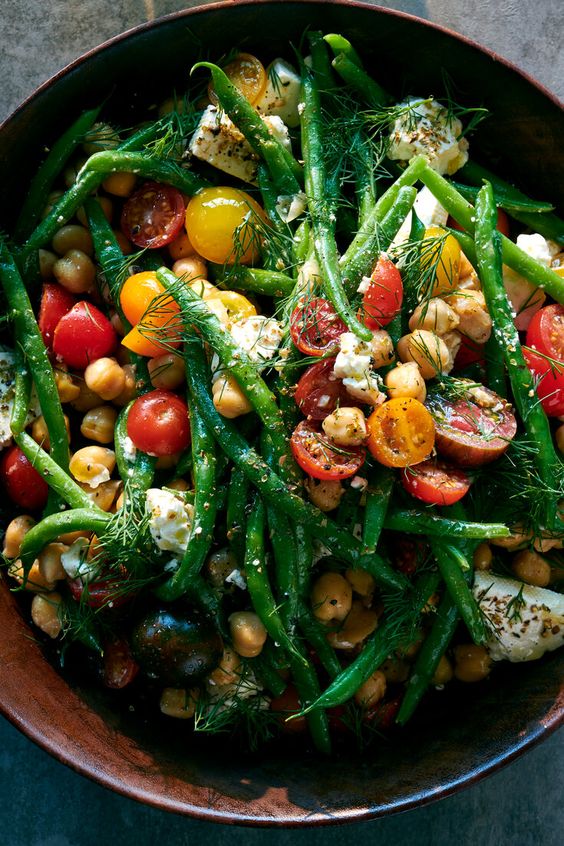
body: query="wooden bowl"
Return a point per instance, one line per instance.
(460, 735)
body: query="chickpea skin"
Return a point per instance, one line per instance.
(75, 271)
(228, 397)
(435, 316)
(443, 673)
(105, 377)
(325, 494)
(472, 663)
(167, 371)
(359, 624)
(247, 633)
(372, 691)
(346, 426)
(45, 613)
(92, 465)
(331, 598)
(428, 350)
(179, 703)
(405, 380)
(191, 267)
(72, 237)
(16, 531)
(99, 423)
(228, 670)
(530, 567)
(361, 581)
(382, 349)
(483, 557)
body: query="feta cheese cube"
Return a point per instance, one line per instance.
(426, 128)
(538, 247)
(170, 520)
(75, 563)
(354, 366)
(282, 93)
(259, 336)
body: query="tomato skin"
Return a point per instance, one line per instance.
(319, 458)
(83, 335)
(153, 215)
(285, 705)
(120, 668)
(56, 301)
(401, 432)
(549, 383)
(158, 423)
(315, 386)
(502, 226)
(468, 353)
(216, 217)
(383, 299)
(23, 484)
(546, 332)
(435, 482)
(102, 593)
(247, 74)
(316, 327)
(137, 296)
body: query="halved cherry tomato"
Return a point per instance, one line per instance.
(158, 423)
(224, 225)
(144, 302)
(546, 332)
(56, 301)
(316, 327)
(102, 593)
(401, 432)
(120, 668)
(318, 392)
(471, 432)
(435, 482)
(549, 382)
(382, 301)
(23, 484)
(237, 306)
(468, 353)
(153, 215)
(503, 225)
(319, 458)
(247, 74)
(546, 335)
(83, 335)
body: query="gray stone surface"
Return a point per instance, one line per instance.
(45, 804)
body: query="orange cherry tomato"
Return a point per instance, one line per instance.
(401, 432)
(247, 74)
(148, 309)
(224, 225)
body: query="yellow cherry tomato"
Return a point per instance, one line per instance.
(401, 432)
(443, 258)
(152, 314)
(238, 307)
(247, 74)
(224, 225)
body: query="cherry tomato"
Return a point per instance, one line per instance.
(102, 593)
(83, 335)
(153, 215)
(23, 484)
(247, 74)
(237, 306)
(435, 482)
(120, 668)
(319, 458)
(382, 301)
(158, 423)
(502, 223)
(143, 302)
(224, 225)
(471, 432)
(318, 392)
(468, 353)
(285, 705)
(408, 553)
(444, 257)
(316, 327)
(401, 432)
(549, 382)
(546, 334)
(56, 301)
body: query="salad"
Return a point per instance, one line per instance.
(282, 390)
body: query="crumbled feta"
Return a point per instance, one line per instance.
(282, 93)
(358, 483)
(364, 285)
(236, 578)
(429, 211)
(259, 336)
(75, 563)
(170, 520)
(290, 207)
(426, 128)
(218, 142)
(526, 621)
(129, 449)
(309, 276)
(538, 247)
(102, 476)
(7, 377)
(354, 366)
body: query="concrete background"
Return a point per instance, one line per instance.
(46, 804)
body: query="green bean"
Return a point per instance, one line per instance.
(505, 201)
(149, 167)
(265, 670)
(138, 472)
(320, 62)
(49, 529)
(205, 509)
(49, 170)
(284, 169)
(22, 393)
(522, 381)
(322, 218)
(339, 44)
(236, 519)
(451, 561)
(301, 244)
(316, 635)
(381, 482)
(369, 90)
(495, 367)
(425, 523)
(270, 283)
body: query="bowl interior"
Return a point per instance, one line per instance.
(459, 735)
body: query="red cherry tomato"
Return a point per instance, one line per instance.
(158, 423)
(468, 353)
(319, 458)
(284, 706)
(22, 482)
(153, 216)
(120, 668)
(503, 224)
(316, 327)
(435, 482)
(318, 392)
(546, 332)
(83, 335)
(382, 301)
(102, 593)
(56, 301)
(546, 335)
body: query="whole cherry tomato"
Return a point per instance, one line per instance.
(23, 484)
(56, 301)
(83, 335)
(158, 423)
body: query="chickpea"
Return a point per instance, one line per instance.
(530, 567)
(45, 613)
(325, 494)
(98, 424)
(40, 432)
(49, 560)
(119, 184)
(47, 261)
(228, 670)
(130, 388)
(405, 380)
(67, 389)
(179, 703)
(75, 271)
(228, 397)
(70, 172)
(546, 542)
(101, 136)
(219, 566)
(92, 465)
(247, 633)
(331, 597)
(361, 581)
(181, 247)
(167, 371)
(72, 237)
(105, 377)
(382, 349)
(427, 350)
(395, 669)
(443, 673)
(372, 691)
(346, 426)
(123, 243)
(104, 494)
(204, 289)
(167, 462)
(360, 623)
(474, 319)
(469, 282)
(453, 341)
(16, 531)
(70, 537)
(86, 399)
(472, 663)
(191, 267)
(35, 581)
(434, 315)
(516, 539)
(483, 557)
